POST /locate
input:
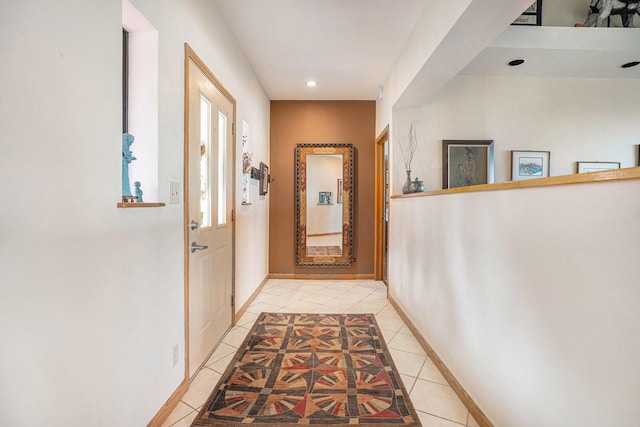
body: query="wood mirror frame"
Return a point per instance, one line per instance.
(345, 257)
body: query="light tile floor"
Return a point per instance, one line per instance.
(434, 400)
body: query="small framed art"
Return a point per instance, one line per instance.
(529, 164)
(325, 198)
(585, 167)
(466, 162)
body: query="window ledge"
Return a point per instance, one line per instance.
(580, 178)
(141, 205)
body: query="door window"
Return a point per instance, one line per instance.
(205, 156)
(222, 169)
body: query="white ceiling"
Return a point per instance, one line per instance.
(350, 46)
(561, 52)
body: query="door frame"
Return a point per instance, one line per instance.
(190, 55)
(378, 234)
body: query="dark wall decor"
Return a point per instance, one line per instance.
(255, 173)
(264, 179)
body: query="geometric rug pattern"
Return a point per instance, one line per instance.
(324, 369)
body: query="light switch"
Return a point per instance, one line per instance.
(174, 193)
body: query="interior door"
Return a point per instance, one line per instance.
(209, 216)
(381, 202)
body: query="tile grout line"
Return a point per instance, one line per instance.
(193, 409)
(180, 419)
(442, 418)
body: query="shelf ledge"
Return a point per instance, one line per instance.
(141, 205)
(580, 178)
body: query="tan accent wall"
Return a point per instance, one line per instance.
(294, 122)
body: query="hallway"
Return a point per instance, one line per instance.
(434, 400)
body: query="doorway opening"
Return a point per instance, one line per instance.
(381, 202)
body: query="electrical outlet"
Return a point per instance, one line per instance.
(174, 192)
(175, 355)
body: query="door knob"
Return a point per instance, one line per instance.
(193, 225)
(197, 247)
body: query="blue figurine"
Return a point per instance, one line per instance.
(138, 192)
(127, 157)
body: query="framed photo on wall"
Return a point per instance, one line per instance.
(325, 198)
(466, 163)
(264, 179)
(585, 167)
(529, 164)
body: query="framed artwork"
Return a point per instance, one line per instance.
(638, 155)
(264, 179)
(584, 167)
(529, 164)
(466, 163)
(531, 16)
(340, 191)
(325, 198)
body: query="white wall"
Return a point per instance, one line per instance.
(439, 47)
(530, 297)
(425, 64)
(429, 31)
(92, 296)
(575, 119)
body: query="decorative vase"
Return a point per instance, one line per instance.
(406, 188)
(417, 186)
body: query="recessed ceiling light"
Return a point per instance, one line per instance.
(516, 62)
(630, 64)
(312, 83)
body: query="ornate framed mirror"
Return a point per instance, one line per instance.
(324, 204)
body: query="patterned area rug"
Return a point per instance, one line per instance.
(324, 251)
(321, 369)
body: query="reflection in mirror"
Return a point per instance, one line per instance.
(324, 214)
(324, 183)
